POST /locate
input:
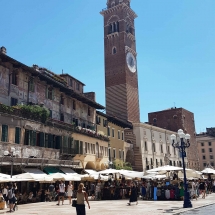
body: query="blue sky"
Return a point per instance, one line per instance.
(175, 45)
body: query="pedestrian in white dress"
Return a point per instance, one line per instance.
(70, 192)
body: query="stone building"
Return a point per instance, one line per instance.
(178, 118)
(155, 146)
(113, 128)
(67, 137)
(206, 148)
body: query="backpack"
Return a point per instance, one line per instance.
(10, 194)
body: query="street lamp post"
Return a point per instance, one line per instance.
(182, 143)
(11, 154)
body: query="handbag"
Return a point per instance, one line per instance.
(74, 203)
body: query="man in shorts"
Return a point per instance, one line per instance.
(61, 192)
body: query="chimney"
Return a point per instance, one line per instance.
(3, 50)
(36, 67)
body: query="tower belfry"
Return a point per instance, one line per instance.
(121, 79)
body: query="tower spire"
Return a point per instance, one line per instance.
(113, 3)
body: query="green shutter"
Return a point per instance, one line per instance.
(26, 141)
(17, 135)
(46, 140)
(50, 141)
(81, 147)
(4, 137)
(42, 140)
(34, 136)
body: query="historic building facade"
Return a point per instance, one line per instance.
(155, 146)
(67, 136)
(206, 148)
(114, 128)
(178, 118)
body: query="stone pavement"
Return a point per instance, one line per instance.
(201, 211)
(115, 207)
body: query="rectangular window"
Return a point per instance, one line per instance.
(161, 162)
(123, 155)
(151, 162)
(119, 135)
(212, 163)
(89, 112)
(154, 148)
(203, 157)
(14, 78)
(108, 131)
(61, 99)
(119, 154)
(13, 101)
(50, 93)
(205, 164)
(161, 148)
(31, 85)
(62, 117)
(74, 105)
(70, 82)
(202, 144)
(210, 150)
(46, 140)
(85, 147)
(146, 148)
(211, 157)
(77, 86)
(122, 135)
(104, 123)
(50, 113)
(209, 143)
(109, 154)
(114, 153)
(4, 135)
(203, 150)
(112, 132)
(17, 135)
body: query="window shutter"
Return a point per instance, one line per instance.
(17, 135)
(41, 139)
(52, 94)
(34, 134)
(50, 140)
(4, 133)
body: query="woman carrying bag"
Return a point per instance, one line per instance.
(81, 196)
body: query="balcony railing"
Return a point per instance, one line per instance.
(70, 151)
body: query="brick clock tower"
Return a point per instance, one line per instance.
(121, 82)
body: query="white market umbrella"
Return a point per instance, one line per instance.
(109, 171)
(29, 176)
(190, 173)
(61, 176)
(131, 174)
(166, 168)
(208, 171)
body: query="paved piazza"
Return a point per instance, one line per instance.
(119, 207)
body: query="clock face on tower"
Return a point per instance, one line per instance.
(131, 62)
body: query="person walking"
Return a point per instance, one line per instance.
(11, 198)
(133, 194)
(70, 192)
(61, 192)
(81, 196)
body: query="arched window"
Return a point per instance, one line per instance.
(114, 50)
(114, 27)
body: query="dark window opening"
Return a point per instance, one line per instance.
(77, 86)
(61, 99)
(50, 93)
(31, 84)
(114, 50)
(17, 135)
(89, 111)
(62, 117)
(13, 102)
(74, 105)
(108, 131)
(14, 78)
(70, 82)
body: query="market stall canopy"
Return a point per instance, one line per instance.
(28, 176)
(4, 175)
(131, 174)
(166, 168)
(109, 171)
(208, 171)
(152, 176)
(190, 173)
(64, 177)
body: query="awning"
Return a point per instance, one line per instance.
(50, 170)
(34, 171)
(67, 170)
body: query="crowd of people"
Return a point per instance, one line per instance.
(106, 190)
